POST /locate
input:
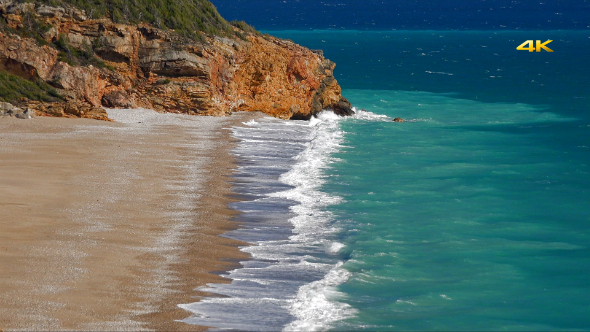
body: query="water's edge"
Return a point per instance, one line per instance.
(290, 281)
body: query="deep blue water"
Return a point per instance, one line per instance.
(408, 14)
(474, 214)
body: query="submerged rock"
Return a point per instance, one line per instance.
(398, 120)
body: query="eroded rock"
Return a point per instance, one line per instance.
(117, 99)
(68, 109)
(7, 109)
(153, 68)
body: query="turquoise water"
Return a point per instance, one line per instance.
(474, 214)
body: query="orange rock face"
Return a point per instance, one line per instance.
(156, 69)
(283, 79)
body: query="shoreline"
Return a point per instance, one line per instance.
(120, 228)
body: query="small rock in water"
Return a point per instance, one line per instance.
(398, 120)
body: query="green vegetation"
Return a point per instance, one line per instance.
(77, 57)
(13, 88)
(244, 27)
(163, 81)
(32, 28)
(186, 17)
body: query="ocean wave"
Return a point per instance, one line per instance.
(294, 262)
(439, 72)
(250, 123)
(361, 114)
(316, 305)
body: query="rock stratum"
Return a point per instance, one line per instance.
(154, 68)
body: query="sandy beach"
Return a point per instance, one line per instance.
(110, 225)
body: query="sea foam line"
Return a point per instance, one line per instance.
(315, 306)
(291, 280)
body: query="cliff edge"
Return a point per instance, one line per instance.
(95, 63)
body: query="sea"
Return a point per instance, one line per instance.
(473, 214)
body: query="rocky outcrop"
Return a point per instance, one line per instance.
(25, 58)
(72, 108)
(283, 79)
(152, 68)
(7, 109)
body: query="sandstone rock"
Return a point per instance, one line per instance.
(51, 34)
(49, 11)
(285, 80)
(157, 69)
(25, 58)
(4, 106)
(76, 14)
(68, 109)
(7, 109)
(87, 83)
(398, 120)
(115, 48)
(175, 63)
(14, 111)
(18, 8)
(26, 114)
(78, 40)
(117, 99)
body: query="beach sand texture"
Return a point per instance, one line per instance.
(108, 226)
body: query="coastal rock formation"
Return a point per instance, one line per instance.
(69, 109)
(143, 66)
(7, 109)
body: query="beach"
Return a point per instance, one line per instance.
(110, 225)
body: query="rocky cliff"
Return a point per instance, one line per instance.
(141, 66)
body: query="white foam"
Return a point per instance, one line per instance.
(250, 123)
(307, 176)
(369, 116)
(285, 272)
(441, 73)
(316, 305)
(335, 247)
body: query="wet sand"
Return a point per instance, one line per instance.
(108, 226)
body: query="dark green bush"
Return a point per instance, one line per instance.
(77, 57)
(31, 28)
(244, 26)
(186, 17)
(13, 88)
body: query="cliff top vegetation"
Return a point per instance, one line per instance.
(185, 17)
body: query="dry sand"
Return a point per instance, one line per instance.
(108, 226)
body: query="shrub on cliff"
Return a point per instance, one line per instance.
(14, 88)
(77, 57)
(186, 17)
(31, 28)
